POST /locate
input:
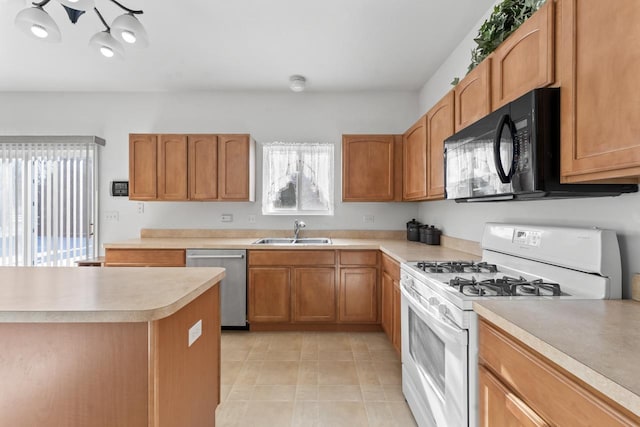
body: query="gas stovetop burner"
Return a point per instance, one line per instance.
(457, 267)
(524, 287)
(472, 287)
(505, 286)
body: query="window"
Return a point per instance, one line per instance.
(297, 179)
(48, 200)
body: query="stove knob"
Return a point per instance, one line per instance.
(434, 301)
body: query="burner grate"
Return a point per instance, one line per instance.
(505, 286)
(456, 267)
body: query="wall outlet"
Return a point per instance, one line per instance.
(111, 216)
(368, 219)
(226, 218)
(252, 219)
(194, 332)
(140, 207)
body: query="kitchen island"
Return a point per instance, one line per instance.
(109, 346)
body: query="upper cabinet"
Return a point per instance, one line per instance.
(440, 126)
(598, 66)
(172, 167)
(371, 168)
(414, 161)
(236, 163)
(191, 167)
(473, 95)
(525, 60)
(203, 170)
(143, 167)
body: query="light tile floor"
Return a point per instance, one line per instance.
(310, 379)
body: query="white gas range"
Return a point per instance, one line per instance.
(439, 327)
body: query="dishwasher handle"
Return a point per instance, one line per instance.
(215, 256)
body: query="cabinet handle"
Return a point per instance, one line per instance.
(215, 256)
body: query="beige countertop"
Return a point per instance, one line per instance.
(73, 294)
(400, 250)
(597, 341)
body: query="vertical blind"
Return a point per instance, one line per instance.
(48, 200)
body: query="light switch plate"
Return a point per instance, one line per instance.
(368, 219)
(226, 218)
(194, 332)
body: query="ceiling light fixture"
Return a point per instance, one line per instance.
(36, 22)
(297, 83)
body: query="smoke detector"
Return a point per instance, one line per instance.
(297, 83)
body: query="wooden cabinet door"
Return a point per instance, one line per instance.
(473, 95)
(499, 407)
(203, 167)
(397, 317)
(368, 168)
(143, 164)
(269, 294)
(414, 161)
(386, 312)
(525, 60)
(598, 66)
(314, 294)
(358, 300)
(172, 167)
(440, 126)
(235, 167)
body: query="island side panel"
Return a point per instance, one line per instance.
(185, 384)
(73, 374)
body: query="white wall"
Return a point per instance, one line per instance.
(267, 116)
(621, 214)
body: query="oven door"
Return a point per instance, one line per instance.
(434, 363)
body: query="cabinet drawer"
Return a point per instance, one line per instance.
(145, 258)
(292, 258)
(358, 257)
(543, 386)
(391, 266)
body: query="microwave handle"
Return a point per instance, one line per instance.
(505, 120)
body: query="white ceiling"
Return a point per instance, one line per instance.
(337, 45)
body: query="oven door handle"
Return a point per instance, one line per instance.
(445, 330)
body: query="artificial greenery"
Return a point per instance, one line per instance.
(506, 17)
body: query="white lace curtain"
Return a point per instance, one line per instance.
(297, 179)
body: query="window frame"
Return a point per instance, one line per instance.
(299, 148)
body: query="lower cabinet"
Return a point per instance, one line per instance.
(314, 294)
(390, 317)
(386, 312)
(144, 257)
(269, 294)
(397, 333)
(520, 387)
(358, 295)
(297, 289)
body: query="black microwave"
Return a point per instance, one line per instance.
(514, 154)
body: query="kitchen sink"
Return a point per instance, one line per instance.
(291, 241)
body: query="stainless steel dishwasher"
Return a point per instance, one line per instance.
(233, 288)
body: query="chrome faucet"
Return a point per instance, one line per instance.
(297, 225)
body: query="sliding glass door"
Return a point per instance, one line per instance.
(48, 200)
